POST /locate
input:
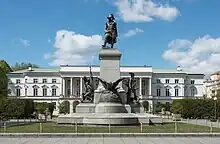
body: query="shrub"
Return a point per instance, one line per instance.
(64, 107)
(195, 108)
(145, 105)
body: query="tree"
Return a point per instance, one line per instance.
(4, 69)
(145, 105)
(28, 108)
(51, 107)
(23, 66)
(41, 107)
(64, 107)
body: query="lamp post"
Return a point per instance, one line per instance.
(215, 99)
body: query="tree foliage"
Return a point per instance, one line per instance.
(22, 66)
(166, 106)
(4, 69)
(64, 107)
(41, 107)
(145, 104)
(15, 108)
(196, 108)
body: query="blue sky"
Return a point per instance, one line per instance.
(159, 33)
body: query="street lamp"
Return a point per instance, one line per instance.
(215, 99)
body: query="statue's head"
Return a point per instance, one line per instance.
(111, 17)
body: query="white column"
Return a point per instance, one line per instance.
(71, 106)
(140, 86)
(61, 86)
(64, 87)
(150, 86)
(81, 86)
(71, 86)
(151, 102)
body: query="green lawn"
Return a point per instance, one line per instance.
(54, 128)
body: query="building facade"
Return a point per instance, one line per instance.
(66, 83)
(212, 85)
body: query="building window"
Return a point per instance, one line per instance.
(44, 80)
(35, 81)
(193, 92)
(25, 80)
(18, 81)
(54, 80)
(158, 103)
(143, 92)
(35, 91)
(167, 81)
(167, 103)
(176, 92)
(54, 92)
(78, 92)
(25, 92)
(44, 92)
(192, 81)
(176, 81)
(18, 92)
(158, 92)
(158, 80)
(77, 82)
(143, 83)
(167, 92)
(68, 92)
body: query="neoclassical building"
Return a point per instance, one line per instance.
(66, 83)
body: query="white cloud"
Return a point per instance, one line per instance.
(24, 42)
(133, 32)
(145, 11)
(73, 48)
(201, 55)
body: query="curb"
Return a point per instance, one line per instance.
(60, 135)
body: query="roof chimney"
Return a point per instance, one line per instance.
(179, 68)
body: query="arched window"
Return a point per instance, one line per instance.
(35, 90)
(193, 91)
(44, 87)
(167, 90)
(177, 88)
(158, 91)
(18, 91)
(54, 90)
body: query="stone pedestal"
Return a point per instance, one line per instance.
(110, 108)
(109, 70)
(85, 108)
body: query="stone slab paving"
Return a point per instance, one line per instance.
(113, 140)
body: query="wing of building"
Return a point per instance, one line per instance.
(65, 83)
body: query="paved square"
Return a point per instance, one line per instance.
(113, 140)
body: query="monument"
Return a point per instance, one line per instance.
(109, 103)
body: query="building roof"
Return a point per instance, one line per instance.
(37, 70)
(58, 69)
(174, 71)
